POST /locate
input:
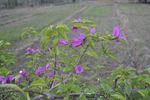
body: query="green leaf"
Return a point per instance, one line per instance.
(55, 41)
(144, 93)
(84, 27)
(86, 68)
(103, 50)
(67, 68)
(147, 69)
(85, 21)
(25, 96)
(82, 97)
(118, 96)
(92, 53)
(66, 98)
(128, 89)
(92, 44)
(4, 71)
(12, 86)
(112, 55)
(62, 27)
(40, 82)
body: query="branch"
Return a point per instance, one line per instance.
(77, 62)
(70, 74)
(75, 95)
(72, 95)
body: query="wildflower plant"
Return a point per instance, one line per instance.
(57, 72)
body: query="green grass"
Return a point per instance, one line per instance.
(41, 17)
(134, 8)
(96, 11)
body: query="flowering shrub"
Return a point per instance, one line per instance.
(57, 72)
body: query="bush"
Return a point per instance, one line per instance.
(57, 72)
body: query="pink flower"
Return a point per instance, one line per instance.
(38, 51)
(47, 66)
(23, 74)
(50, 74)
(93, 30)
(40, 70)
(75, 29)
(30, 50)
(78, 20)
(82, 36)
(79, 69)
(62, 41)
(76, 42)
(116, 33)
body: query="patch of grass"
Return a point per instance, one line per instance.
(42, 17)
(134, 8)
(96, 11)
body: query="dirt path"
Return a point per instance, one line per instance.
(15, 20)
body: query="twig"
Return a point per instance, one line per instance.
(78, 60)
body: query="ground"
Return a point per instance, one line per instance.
(133, 18)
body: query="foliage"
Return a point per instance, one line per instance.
(6, 57)
(57, 72)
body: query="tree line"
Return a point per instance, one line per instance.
(15, 3)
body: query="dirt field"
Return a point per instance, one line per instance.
(135, 22)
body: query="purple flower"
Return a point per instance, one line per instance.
(9, 78)
(41, 87)
(116, 33)
(122, 37)
(19, 80)
(30, 50)
(47, 66)
(93, 30)
(75, 29)
(79, 69)
(23, 74)
(38, 51)
(54, 81)
(50, 74)
(40, 70)
(62, 41)
(78, 20)
(76, 42)
(82, 36)
(2, 79)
